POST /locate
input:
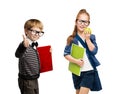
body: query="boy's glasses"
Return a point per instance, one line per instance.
(35, 32)
(83, 22)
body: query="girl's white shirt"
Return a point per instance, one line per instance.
(87, 65)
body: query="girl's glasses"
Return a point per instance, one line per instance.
(83, 22)
(35, 32)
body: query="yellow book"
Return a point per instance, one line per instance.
(76, 52)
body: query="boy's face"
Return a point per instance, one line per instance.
(33, 34)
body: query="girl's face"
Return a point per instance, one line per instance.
(34, 33)
(82, 22)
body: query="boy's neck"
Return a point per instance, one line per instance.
(31, 41)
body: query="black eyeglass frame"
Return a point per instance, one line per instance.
(83, 21)
(40, 33)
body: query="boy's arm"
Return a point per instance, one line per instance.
(20, 50)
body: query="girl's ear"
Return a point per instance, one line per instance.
(89, 23)
(75, 22)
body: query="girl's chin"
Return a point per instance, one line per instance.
(81, 29)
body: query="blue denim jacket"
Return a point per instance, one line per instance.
(93, 60)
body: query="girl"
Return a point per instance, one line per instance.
(89, 78)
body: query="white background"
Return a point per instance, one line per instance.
(58, 17)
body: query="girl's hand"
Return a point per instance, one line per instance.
(25, 41)
(80, 62)
(87, 32)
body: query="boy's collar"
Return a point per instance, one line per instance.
(30, 41)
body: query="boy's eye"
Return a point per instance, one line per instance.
(37, 32)
(34, 32)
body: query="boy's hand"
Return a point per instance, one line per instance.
(50, 50)
(25, 41)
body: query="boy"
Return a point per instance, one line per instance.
(29, 67)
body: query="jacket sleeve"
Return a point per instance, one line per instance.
(93, 39)
(67, 50)
(20, 50)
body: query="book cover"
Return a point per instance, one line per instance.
(45, 57)
(76, 52)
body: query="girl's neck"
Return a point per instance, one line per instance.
(81, 34)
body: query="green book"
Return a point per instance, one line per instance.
(76, 52)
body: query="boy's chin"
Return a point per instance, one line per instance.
(34, 39)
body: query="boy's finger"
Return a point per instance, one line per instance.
(24, 37)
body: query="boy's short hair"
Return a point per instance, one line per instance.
(33, 23)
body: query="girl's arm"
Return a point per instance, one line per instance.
(79, 62)
(92, 45)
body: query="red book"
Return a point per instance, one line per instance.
(45, 57)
